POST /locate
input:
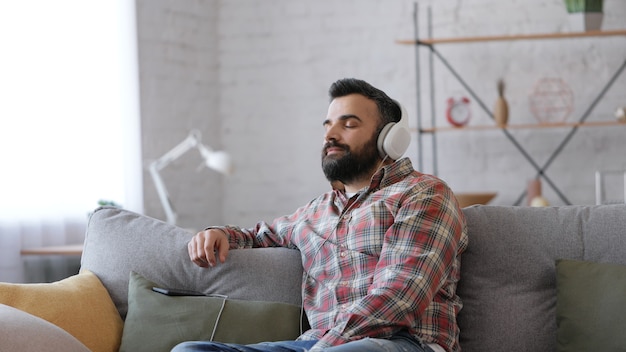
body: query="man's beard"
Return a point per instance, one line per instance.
(350, 167)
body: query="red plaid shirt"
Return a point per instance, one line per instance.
(385, 260)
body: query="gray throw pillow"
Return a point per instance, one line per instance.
(591, 306)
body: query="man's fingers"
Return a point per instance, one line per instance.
(204, 246)
(195, 252)
(208, 251)
(223, 249)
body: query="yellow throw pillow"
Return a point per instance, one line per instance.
(79, 305)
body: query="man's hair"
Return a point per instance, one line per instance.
(388, 109)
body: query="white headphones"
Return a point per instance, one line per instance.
(394, 138)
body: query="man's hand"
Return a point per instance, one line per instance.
(204, 245)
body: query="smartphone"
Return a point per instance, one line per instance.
(176, 292)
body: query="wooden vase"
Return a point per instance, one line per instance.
(501, 109)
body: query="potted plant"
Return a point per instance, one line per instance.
(584, 15)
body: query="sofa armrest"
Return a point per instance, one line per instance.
(20, 331)
(119, 241)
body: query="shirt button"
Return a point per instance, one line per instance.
(342, 254)
(344, 306)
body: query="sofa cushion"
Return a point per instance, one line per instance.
(508, 279)
(79, 305)
(156, 322)
(119, 241)
(591, 306)
(20, 331)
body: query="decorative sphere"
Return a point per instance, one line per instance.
(551, 100)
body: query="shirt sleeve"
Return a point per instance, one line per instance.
(277, 234)
(418, 254)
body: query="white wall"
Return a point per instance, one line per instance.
(257, 72)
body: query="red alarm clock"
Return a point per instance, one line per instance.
(458, 111)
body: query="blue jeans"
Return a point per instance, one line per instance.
(398, 343)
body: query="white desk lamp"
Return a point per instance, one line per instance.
(216, 160)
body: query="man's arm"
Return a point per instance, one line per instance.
(205, 244)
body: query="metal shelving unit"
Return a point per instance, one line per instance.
(430, 43)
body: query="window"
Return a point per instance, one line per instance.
(69, 110)
(69, 121)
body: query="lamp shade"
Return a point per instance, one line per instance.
(219, 161)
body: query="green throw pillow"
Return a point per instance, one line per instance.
(591, 306)
(156, 322)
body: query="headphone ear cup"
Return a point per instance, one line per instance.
(395, 140)
(380, 142)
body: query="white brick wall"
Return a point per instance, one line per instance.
(179, 91)
(258, 72)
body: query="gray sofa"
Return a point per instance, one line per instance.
(508, 284)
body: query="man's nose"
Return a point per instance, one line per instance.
(331, 134)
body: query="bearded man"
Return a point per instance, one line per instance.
(380, 252)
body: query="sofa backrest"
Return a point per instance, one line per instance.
(508, 282)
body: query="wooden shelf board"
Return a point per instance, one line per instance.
(524, 126)
(607, 33)
(71, 249)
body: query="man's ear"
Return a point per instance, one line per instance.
(338, 185)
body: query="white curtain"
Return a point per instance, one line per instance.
(15, 235)
(69, 120)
